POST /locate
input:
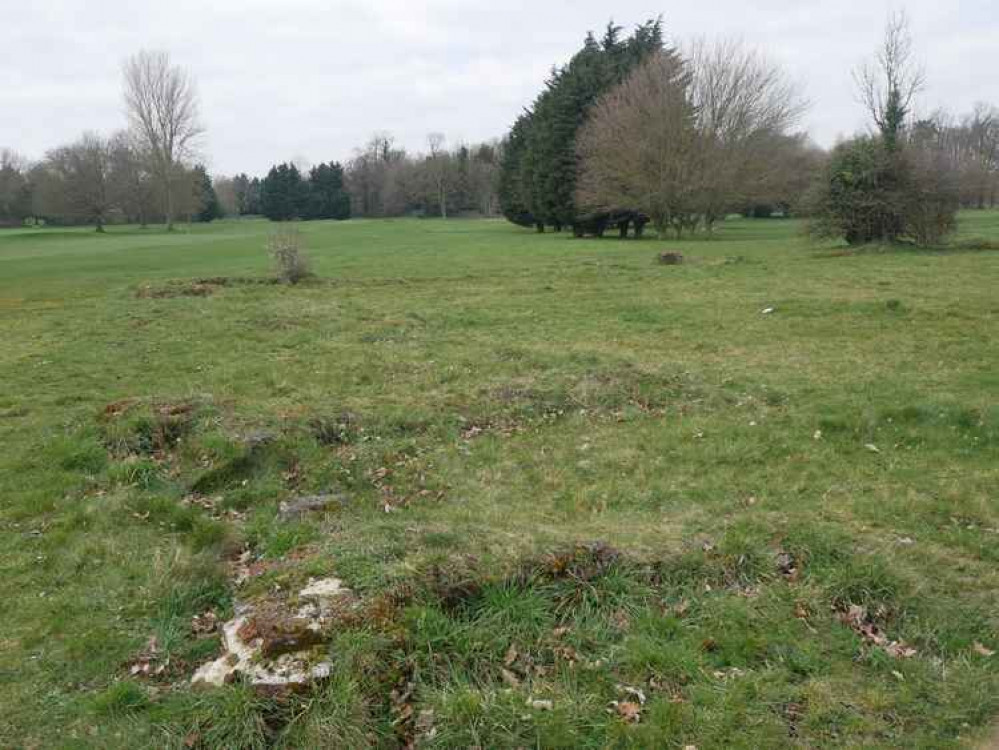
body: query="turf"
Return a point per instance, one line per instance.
(568, 474)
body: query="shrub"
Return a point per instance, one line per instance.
(285, 246)
(870, 193)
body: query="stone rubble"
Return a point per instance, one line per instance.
(275, 650)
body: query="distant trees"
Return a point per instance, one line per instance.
(282, 194)
(162, 107)
(686, 140)
(98, 180)
(971, 146)
(286, 195)
(74, 181)
(327, 193)
(206, 200)
(899, 183)
(384, 180)
(439, 169)
(15, 188)
(247, 195)
(133, 187)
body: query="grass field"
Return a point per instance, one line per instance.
(586, 500)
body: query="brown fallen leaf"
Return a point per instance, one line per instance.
(511, 655)
(509, 678)
(900, 650)
(630, 711)
(204, 624)
(981, 650)
(540, 705)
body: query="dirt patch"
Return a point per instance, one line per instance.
(198, 287)
(167, 291)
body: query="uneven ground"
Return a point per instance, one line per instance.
(585, 500)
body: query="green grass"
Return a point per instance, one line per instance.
(597, 468)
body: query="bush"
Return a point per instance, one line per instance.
(870, 193)
(285, 246)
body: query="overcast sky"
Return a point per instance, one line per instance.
(313, 79)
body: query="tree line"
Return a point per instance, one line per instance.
(381, 180)
(98, 180)
(143, 173)
(632, 130)
(629, 131)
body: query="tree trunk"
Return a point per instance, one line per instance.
(169, 205)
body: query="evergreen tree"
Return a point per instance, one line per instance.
(538, 173)
(327, 196)
(283, 193)
(207, 201)
(514, 178)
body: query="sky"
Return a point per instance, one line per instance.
(311, 80)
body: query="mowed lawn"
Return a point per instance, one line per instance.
(585, 500)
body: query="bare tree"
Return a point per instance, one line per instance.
(225, 189)
(132, 185)
(635, 149)
(439, 169)
(75, 181)
(162, 107)
(687, 141)
(745, 107)
(15, 188)
(889, 83)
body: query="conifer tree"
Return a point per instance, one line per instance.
(208, 204)
(539, 168)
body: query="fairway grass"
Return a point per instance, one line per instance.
(584, 500)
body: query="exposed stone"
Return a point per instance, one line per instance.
(260, 655)
(281, 634)
(291, 510)
(259, 439)
(670, 259)
(324, 588)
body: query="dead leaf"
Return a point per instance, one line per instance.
(981, 650)
(630, 711)
(204, 624)
(509, 678)
(540, 705)
(900, 650)
(511, 655)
